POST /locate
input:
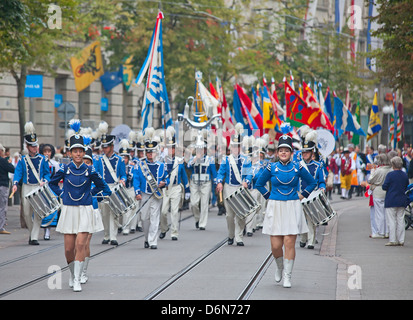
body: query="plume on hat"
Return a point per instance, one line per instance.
(103, 127)
(170, 132)
(124, 143)
(87, 139)
(239, 128)
(74, 124)
(149, 133)
(311, 136)
(29, 127)
(303, 130)
(139, 136)
(132, 136)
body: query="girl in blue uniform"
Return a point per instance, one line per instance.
(284, 217)
(76, 220)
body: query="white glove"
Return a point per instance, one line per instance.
(187, 195)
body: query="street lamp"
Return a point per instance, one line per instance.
(388, 110)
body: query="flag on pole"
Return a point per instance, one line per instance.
(345, 121)
(242, 114)
(228, 127)
(111, 79)
(246, 101)
(327, 105)
(210, 103)
(127, 72)
(356, 138)
(155, 91)
(88, 67)
(396, 131)
(299, 113)
(374, 121)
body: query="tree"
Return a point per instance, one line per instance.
(27, 41)
(394, 61)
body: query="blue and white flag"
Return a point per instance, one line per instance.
(345, 121)
(155, 92)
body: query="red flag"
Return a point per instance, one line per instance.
(227, 124)
(299, 113)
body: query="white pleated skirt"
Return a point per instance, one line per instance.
(284, 218)
(76, 219)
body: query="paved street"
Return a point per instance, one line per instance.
(345, 264)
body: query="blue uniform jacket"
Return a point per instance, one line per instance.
(118, 167)
(257, 169)
(316, 170)
(181, 176)
(209, 169)
(77, 184)
(158, 171)
(23, 172)
(226, 174)
(285, 181)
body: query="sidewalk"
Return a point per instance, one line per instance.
(367, 269)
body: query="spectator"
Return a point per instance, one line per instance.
(396, 200)
(377, 177)
(5, 168)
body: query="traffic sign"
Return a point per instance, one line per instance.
(66, 111)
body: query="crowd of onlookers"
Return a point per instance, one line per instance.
(383, 176)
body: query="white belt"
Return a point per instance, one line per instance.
(203, 177)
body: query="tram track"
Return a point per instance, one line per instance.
(157, 292)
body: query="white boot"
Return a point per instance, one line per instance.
(288, 269)
(72, 274)
(279, 269)
(83, 277)
(76, 281)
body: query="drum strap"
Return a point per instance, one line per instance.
(235, 168)
(110, 168)
(29, 161)
(174, 171)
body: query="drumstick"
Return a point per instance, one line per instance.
(11, 196)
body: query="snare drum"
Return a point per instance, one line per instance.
(317, 208)
(242, 203)
(120, 202)
(43, 201)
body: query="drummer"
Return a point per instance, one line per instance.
(284, 217)
(33, 171)
(308, 153)
(76, 221)
(235, 171)
(112, 169)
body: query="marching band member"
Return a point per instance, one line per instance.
(77, 218)
(139, 156)
(48, 151)
(235, 171)
(125, 152)
(316, 170)
(112, 169)
(258, 165)
(97, 222)
(177, 188)
(203, 174)
(148, 179)
(33, 171)
(248, 142)
(284, 217)
(345, 176)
